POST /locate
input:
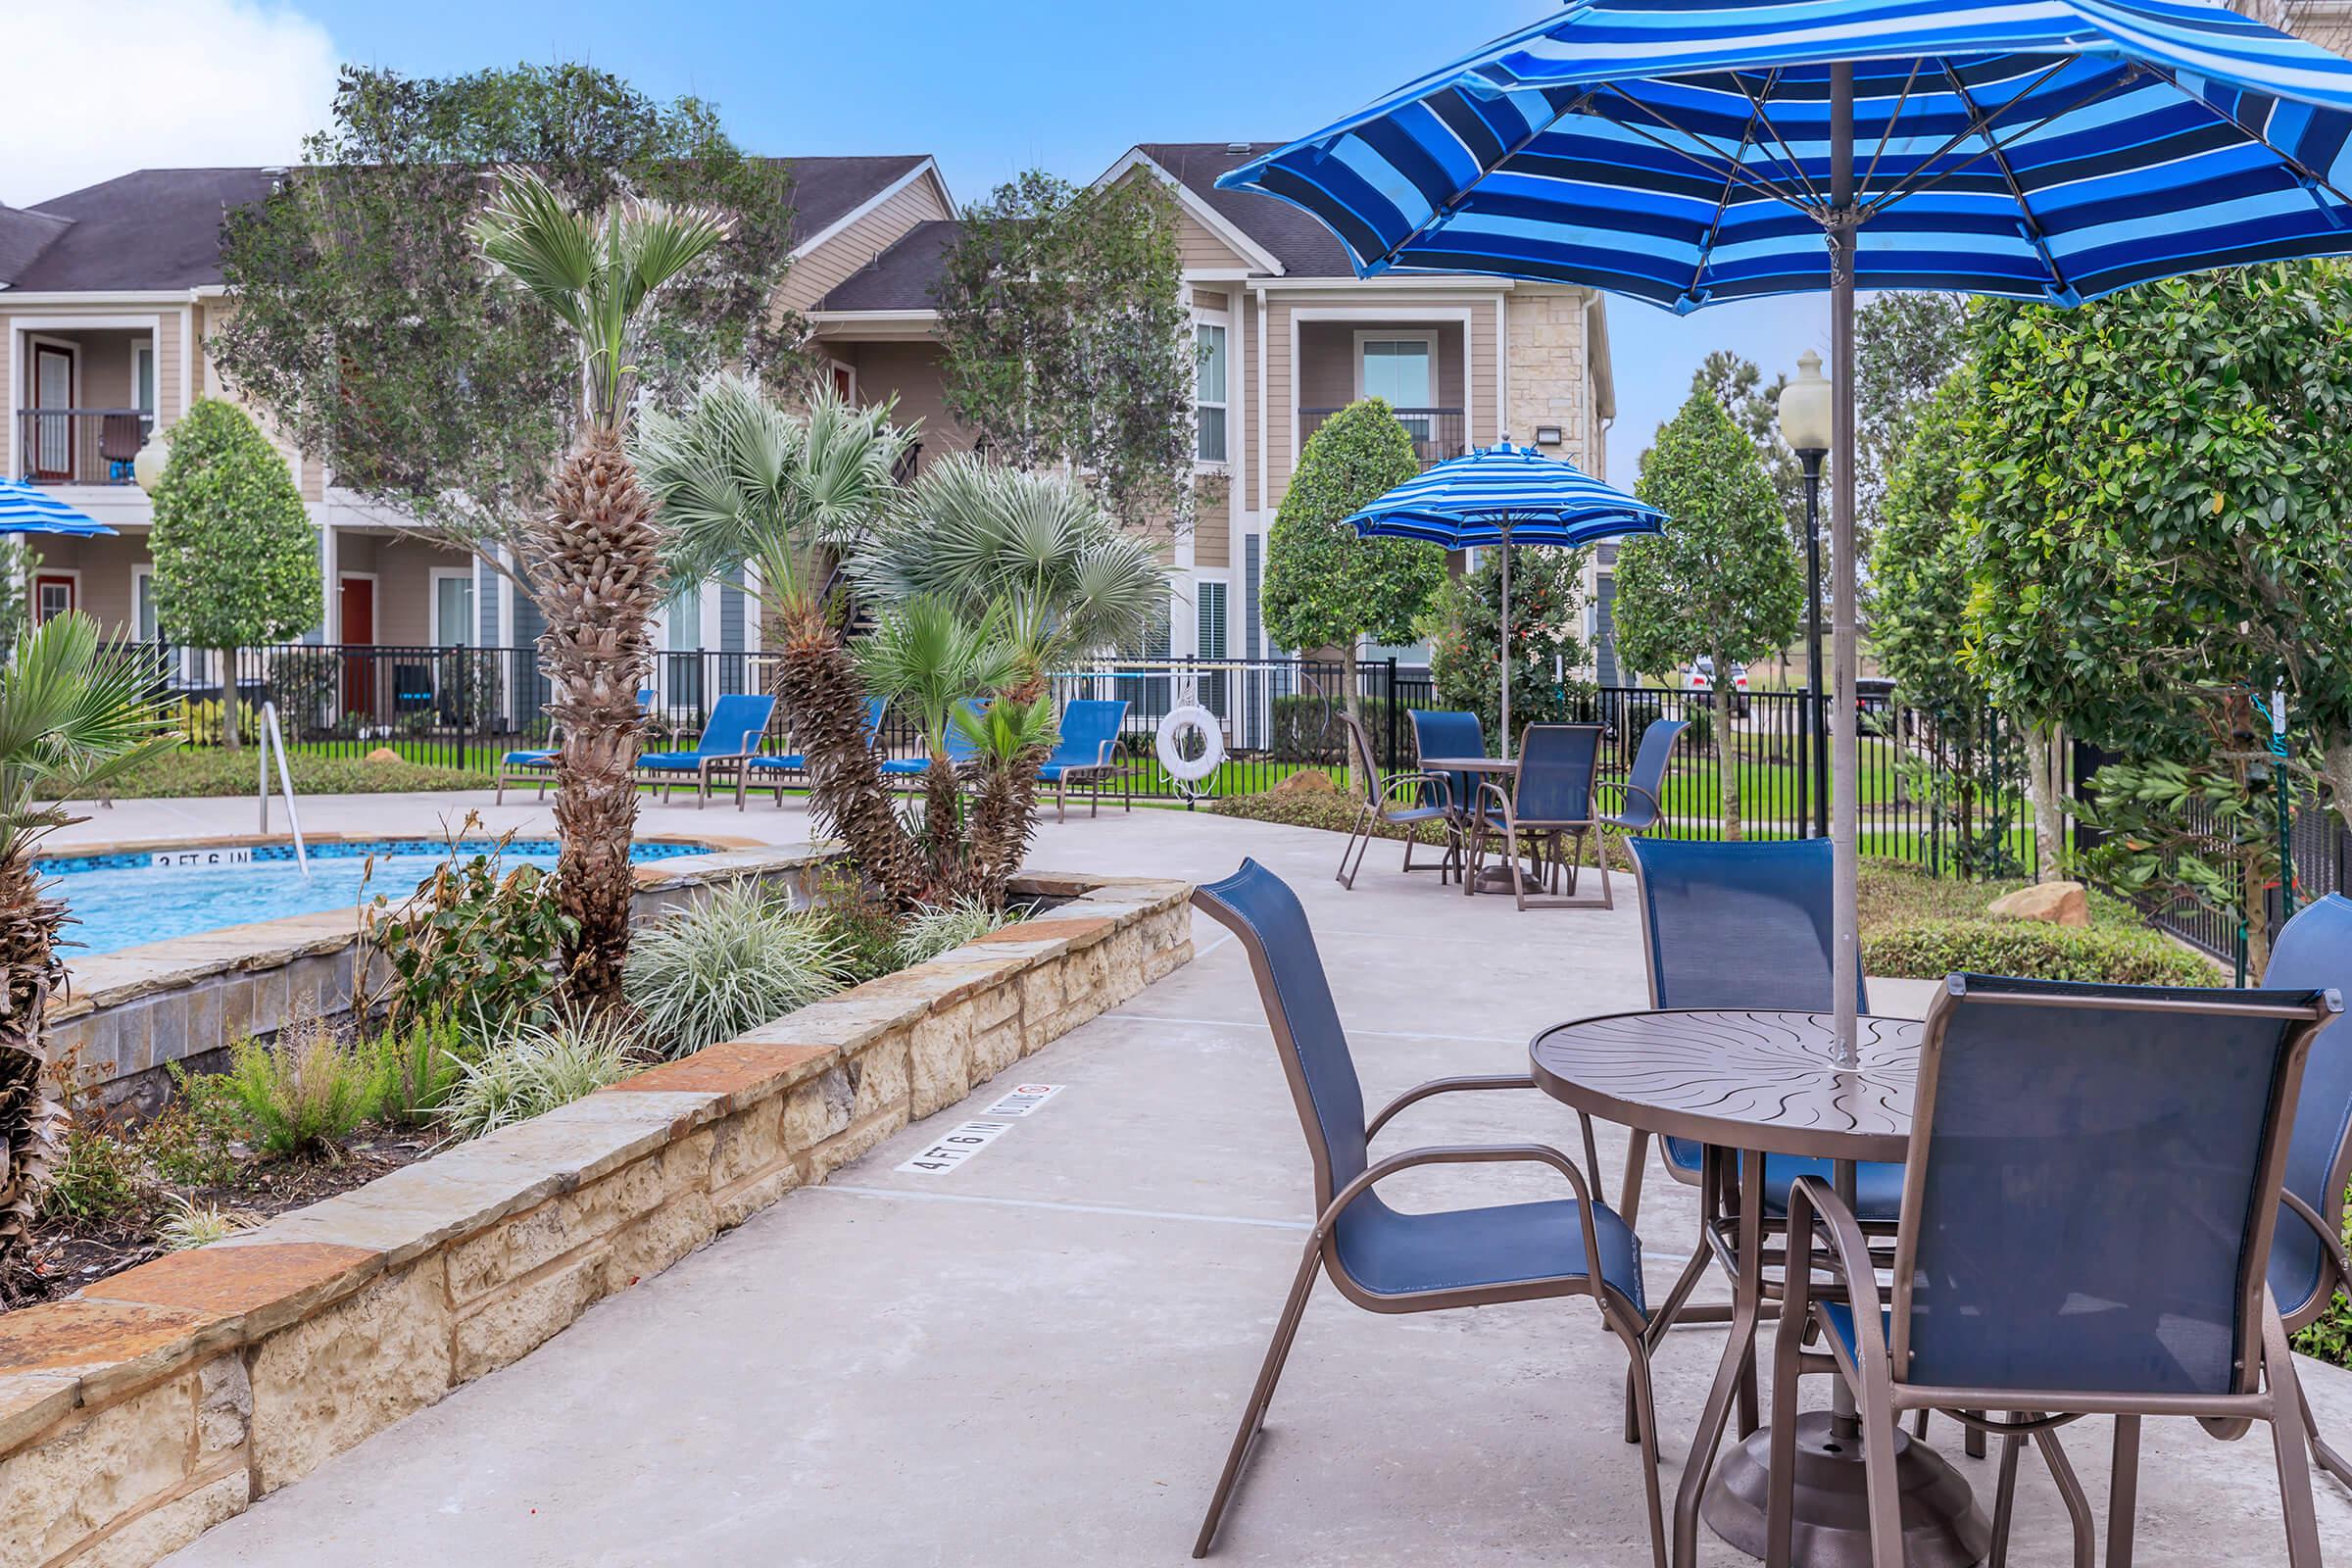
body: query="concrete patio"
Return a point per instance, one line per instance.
(1038, 1357)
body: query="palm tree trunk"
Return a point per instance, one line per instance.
(31, 971)
(818, 686)
(1002, 822)
(597, 576)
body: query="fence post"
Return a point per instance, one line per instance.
(1387, 761)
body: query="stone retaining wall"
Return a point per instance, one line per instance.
(129, 1014)
(156, 1404)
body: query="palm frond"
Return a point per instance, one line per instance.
(534, 237)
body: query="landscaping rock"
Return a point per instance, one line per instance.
(2057, 902)
(1307, 781)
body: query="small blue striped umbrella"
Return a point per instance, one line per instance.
(1503, 495)
(26, 509)
(1689, 152)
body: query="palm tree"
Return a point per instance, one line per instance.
(750, 489)
(593, 565)
(73, 714)
(978, 535)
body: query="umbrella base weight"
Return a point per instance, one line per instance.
(1942, 1527)
(1497, 879)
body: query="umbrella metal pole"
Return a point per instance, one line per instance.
(1505, 548)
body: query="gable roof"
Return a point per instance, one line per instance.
(1304, 246)
(156, 228)
(159, 228)
(904, 277)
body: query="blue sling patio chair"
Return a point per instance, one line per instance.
(1386, 1261)
(2093, 1192)
(959, 750)
(732, 734)
(1641, 792)
(1549, 801)
(1449, 732)
(2308, 1265)
(539, 767)
(777, 771)
(1086, 751)
(1428, 798)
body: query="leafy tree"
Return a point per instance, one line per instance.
(1067, 341)
(1465, 634)
(18, 561)
(236, 559)
(594, 556)
(1754, 406)
(73, 714)
(1905, 345)
(1327, 587)
(1722, 580)
(366, 324)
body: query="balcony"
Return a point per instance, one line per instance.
(79, 446)
(1437, 433)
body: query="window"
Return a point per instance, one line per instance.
(1404, 371)
(142, 378)
(1208, 393)
(686, 621)
(453, 607)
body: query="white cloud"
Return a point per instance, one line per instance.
(97, 90)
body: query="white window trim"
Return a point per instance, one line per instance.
(1223, 321)
(434, 576)
(1373, 334)
(144, 572)
(137, 348)
(845, 368)
(47, 570)
(1222, 577)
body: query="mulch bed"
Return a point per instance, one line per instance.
(65, 1258)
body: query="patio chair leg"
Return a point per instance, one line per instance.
(2329, 1460)
(1971, 1440)
(1643, 1409)
(2287, 1439)
(1750, 1406)
(1360, 833)
(1875, 1398)
(1253, 1413)
(2004, 1502)
(1636, 1159)
(1780, 1495)
(2122, 1491)
(1919, 1424)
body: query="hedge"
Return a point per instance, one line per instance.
(1929, 950)
(212, 771)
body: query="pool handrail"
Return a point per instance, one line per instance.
(272, 738)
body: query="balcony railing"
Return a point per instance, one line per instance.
(1437, 433)
(79, 446)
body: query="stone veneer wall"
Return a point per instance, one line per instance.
(128, 1015)
(1548, 380)
(156, 1404)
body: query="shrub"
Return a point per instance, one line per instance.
(94, 1176)
(201, 772)
(191, 1142)
(474, 930)
(1306, 728)
(734, 960)
(1929, 950)
(534, 1070)
(306, 683)
(194, 1224)
(420, 1063)
(303, 1094)
(2328, 1336)
(866, 928)
(940, 928)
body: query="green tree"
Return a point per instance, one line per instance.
(1754, 404)
(73, 713)
(1722, 580)
(1325, 587)
(366, 324)
(18, 561)
(1067, 340)
(236, 559)
(1465, 635)
(594, 553)
(1905, 344)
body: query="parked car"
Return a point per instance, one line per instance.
(1699, 676)
(1872, 694)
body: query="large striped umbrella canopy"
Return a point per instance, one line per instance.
(1685, 152)
(1503, 495)
(1689, 152)
(26, 509)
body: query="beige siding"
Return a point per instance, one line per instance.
(1212, 531)
(1244, 352)
(1486, 419)
(403, 570)
(912, 372)
(1326, 348)
(104, 567)
(1209, 299)
(171, 354)
(813, 275)
(1202, 251)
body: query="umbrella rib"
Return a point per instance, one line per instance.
(1788, 151)
(1723, 203)
(2304, 171)
(1893, 116)
(1738, 173)
(1980, 125)
(2017, 192)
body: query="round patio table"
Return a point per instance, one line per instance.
(1769, 1083)
(1494, 878)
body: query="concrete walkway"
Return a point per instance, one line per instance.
(1038, 1359)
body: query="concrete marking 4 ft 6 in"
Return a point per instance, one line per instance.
(963, 1141)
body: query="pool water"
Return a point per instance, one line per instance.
(123, 899)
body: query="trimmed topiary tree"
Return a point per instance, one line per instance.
(236, 559)
(1325, 587)
(1722, 580)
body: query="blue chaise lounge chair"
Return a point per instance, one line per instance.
(733, 734)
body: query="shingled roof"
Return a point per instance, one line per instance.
(1304, 246)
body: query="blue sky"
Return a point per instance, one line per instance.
(990, 88)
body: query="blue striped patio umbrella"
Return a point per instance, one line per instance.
(1689, 153)
(26, 509)
(1500, 495)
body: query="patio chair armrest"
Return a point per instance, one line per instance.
(2331, 1244)
(1815, 1210)
(1502, 798)
(1472, 1154)
(1107, 753)
(1443, 1086)
(1420, 780)
(1626, 786)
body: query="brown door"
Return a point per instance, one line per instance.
(358, 603)
(52, 433)
(845, 384)
(52, 595)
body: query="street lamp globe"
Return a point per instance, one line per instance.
(1805, 408)
(147, 469)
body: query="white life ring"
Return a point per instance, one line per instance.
(1190, 769)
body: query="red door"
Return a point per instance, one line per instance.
(52, 595)
(358, 619)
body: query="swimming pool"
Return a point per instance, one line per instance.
(123, 899)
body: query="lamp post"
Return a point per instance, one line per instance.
(1804, 414)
